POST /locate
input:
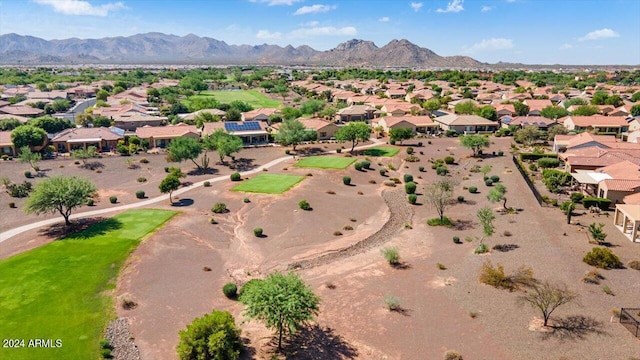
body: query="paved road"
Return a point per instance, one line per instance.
(15, 231)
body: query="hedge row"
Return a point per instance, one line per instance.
(533, 156)
(602, 203)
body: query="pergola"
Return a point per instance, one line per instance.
(626, 219)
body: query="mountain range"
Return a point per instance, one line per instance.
(192, 49)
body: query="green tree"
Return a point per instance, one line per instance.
(556, 130)
(614, 100)
(635, 110)
(225, 144)
(475, 142)
(520, 108)
(282, 301)
(101, 121)
(599, 98)
(291, 132)
(431, 105)
(84, 119)
(84, 154)
(401, 134)
(233, 114)
(586, 110)
(635, 97)
(354, 132)
(488, 112)
(60, 194)
(184, 148)
(311, 107)
(212, 336)
(9, 124)
(486, 217)
(554, 112)
(498, 194)
(28, 156)
(528, 135)
(50, 125)
(27, 135)
(439, 194)
(170, 184)
(465, 107)
(102, 95)
(547, 297)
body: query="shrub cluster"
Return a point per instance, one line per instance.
(547, 163)
(449, 160)
(304, 205)
(219, 208)
(534, 156)
(230, 290)
(496, 277)
(602, 203)
(602, 258)
(19, 190)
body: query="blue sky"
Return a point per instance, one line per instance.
(527, 31)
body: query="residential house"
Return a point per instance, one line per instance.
(215, 112)
(467, 124)
(401, 109)
(21, 110)
(46, 95)
(540, 122)
(22, 119)
(251, 132)
(80, 138)
(398, 93)
(418, 124)
(505, 110)
(598, 123)
(623, 110)
(624, 180)
(326, 130)
(132, 121)
(536, 106)
(161, 136)
(582, 140)
(259, 114)
(82, 92)
(6, 145)
(358, 113)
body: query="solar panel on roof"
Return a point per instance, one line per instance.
(242, 126)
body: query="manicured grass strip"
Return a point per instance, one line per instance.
(269, 183)
(60, 290)
(381, 151)
(252, 97)
(325, 162)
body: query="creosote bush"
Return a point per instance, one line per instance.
(207, 184)
(602, 258)
(449, 160)
(258, 232)
(410, 187)
(235, 176)
(407, 178)
(392, 255)
(230, 290)
(413, 199)
(421, 168)
(219, 208)
(383, 172)
(496, 277)
(304, 205)
(113, 199)
(346, 180)
(456, 240)
(140, 194)
(473, 189)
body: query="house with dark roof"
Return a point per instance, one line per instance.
(251, 132)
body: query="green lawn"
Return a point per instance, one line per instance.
(252, 97)
(325, 162)
(269, 183)
(381, 151)
(60, 290)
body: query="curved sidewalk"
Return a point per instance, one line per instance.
(6, 235)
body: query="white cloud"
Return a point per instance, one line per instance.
(311, 23)
(323, 31)
(276, 2)
(454, 6)
(600, 34)
(266, 34)
(566, 46)
(384, 19)
(491, 44)
(314, 9)
(416, 6)
(80, 7)
(486, 8)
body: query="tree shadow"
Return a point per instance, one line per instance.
(209, 171)
(248, 352)
(81, 229)
(575, 327)
(244, 164)
(182, 202)
(317, 343)
(505, 247)
(93, 165)
(401, 310)
(309, 151)
(463, 225)
(402, 265)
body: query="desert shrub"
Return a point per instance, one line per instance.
(495, 178)
(602, 203)
(28, 174)
(449, 160)
(488, 182)
(634, 264)
(207, 184)
(445, 221)
(167, 169)
(4, 157)
(576, 197)
(409, 150)
(144, 161)
(410, 187)
(337, 233)
(383, 172)
(19, 190)
(360, 193)
(392, 255)
(473, 189)
(212, 336)
(500, 153)
(141, 179)
(452, 355)
(358, 166)
(392, 142)
(441, 266)
(372, 181)
(475, 169)
(12, 205)
(304, 205)
(90, 202)
(602, 258)
(412, 158)
(482, 248)
(330, 192)
(554, 202)
(347, 227)
(288, 152)
(128, 304)
(496, 277)
(140, 194)
(257, 232)
(246, 200)
(230, 290)
(212, 221)
(460, 199)
(413, 199)
(592, 277)
(113, 199)
(421, 168)
(346, 180)
(533, 167)
(391, 167)
(366, 164)
(235, 176)
(548, 163)
(456, 240)
(219, 208)
(396, 180)
(338, 150)
(442, 170)
(407, 178)
(392, 303)
(389, 183)
(105, 349)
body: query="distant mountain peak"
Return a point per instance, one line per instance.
(155, 47)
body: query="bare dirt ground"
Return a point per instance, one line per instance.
(440, 309)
